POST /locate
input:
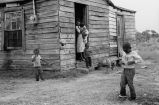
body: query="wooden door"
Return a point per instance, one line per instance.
(120, 32)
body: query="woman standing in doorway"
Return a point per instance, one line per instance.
(80, 42)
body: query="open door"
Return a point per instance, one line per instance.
(120, 32)
(82, 15)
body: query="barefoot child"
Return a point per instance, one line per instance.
(88, 56)
(36, 59)
(129, 59)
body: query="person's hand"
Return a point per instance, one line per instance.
(131, 62)
(34, 58)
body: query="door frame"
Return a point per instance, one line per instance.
(85, 21)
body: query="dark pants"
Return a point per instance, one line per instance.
(88, 61)
(38, 73)
(127, 78)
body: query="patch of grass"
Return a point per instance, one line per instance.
(47, 74)
(148, 99)
(65, 74)
(149, 51)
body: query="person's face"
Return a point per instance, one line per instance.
(78, 23)
(36, 52)
(127, 51)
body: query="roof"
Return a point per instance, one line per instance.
(7, 1)
(109, 2)
(120, 8)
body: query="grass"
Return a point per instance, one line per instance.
(149, 50)
(47, 74)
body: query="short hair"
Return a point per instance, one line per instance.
(127, 47)
(82, 25)
(36, 50)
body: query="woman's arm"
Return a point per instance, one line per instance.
(77, 28)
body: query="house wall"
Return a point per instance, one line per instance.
(44, 35)
(67, 34)
(129, 28)
(98, 28)
(113, 32)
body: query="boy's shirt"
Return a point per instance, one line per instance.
(37, 62)
(132, 56)
(87, 53)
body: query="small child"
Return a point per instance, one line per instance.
(36, 59)
(84, 32)
(88, 56)
(129, 59)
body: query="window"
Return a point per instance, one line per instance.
(13, 30)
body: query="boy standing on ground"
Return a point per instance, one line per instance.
(36, 59)
(129, 59)
(88, 56)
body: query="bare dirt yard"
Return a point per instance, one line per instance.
(95, 88)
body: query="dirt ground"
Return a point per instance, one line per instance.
(95, 88)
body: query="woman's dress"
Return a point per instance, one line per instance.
(80, 42)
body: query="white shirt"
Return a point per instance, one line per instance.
(132, 56)
(37, 62)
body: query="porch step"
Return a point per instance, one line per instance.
(81, 64)
(83, 70)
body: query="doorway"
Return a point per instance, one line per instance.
(80, 15)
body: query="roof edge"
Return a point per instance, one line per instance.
(120, 8)
(9, 1)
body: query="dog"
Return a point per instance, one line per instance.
(107, 62)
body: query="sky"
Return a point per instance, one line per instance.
(147, 13)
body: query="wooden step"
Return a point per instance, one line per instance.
(81, 64)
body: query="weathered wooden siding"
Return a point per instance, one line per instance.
(112, 32)
(0, 30)
(99, 32)
(98, 28)
(130, 28)
(67, 34)
(44, 35)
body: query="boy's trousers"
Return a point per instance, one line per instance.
(38, 73)
(88, 61)
(127, 78)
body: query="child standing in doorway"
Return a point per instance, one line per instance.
(84, 32)
(36, 59)
(129, 60)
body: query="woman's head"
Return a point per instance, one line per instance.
(78, 22)
(36, 51)
(127, 47)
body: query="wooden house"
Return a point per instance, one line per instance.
(50, 26)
